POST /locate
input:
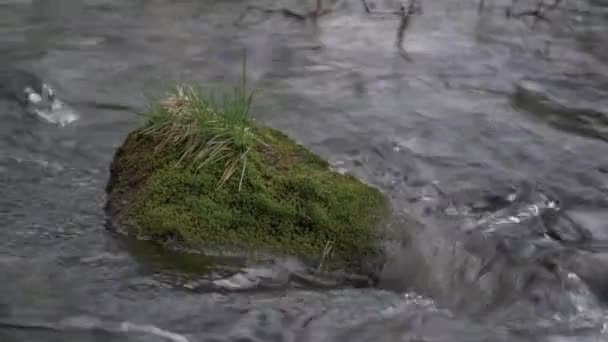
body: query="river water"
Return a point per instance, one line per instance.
(489, 139)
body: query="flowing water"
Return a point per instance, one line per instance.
(489, 139)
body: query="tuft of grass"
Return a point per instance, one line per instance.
(211, 127)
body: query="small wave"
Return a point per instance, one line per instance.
(151, 329)
(80, 323)
(43, 163)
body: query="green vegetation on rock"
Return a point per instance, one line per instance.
(202, 173)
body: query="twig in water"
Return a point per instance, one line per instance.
(288, 13)
(539, 13)
(404, 22)
(405, 13)
(366, 7)
(405, 55)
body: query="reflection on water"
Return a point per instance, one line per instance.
(490, 144)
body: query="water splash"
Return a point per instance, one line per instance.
(47, 106)
(58, 113)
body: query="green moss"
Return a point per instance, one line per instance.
(289, 202)
(173, 179)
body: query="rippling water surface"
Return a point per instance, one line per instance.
(490, 141)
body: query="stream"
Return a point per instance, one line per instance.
(489, 137)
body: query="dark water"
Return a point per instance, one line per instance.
(490, 142)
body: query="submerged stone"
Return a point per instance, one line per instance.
(287, 202)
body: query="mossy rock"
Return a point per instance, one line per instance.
(288, 202)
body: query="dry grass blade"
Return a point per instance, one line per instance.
(208, 129)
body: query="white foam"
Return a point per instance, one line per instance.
(237, 282)
(49, 108)
(90, 322)
(34, 98)
(58, 114)
(153, 330)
